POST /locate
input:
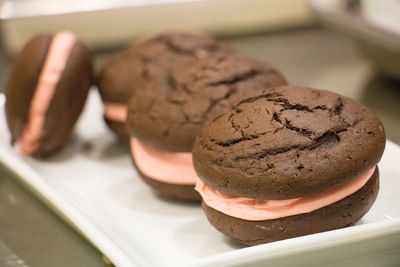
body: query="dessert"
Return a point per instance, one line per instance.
(124, 71)
(288, 161)
(165, 116)
(46, 91)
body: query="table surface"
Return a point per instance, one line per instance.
(310, 56)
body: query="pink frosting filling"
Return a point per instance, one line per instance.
(115, 112)
(261, 210)
(56, 59)
(173, 168)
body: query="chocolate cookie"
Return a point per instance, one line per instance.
(165, 116)
(125, 70)
(169, 110)
(46, 91)
(287, 153)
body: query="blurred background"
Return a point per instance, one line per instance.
(347, 46)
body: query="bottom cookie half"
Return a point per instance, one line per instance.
(179, 192)
(119, 128)
(340, 214)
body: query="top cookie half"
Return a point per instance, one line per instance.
(288, 142)
(168, 110)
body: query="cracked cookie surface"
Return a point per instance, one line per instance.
(288, 142)
(167, 112)
(124, 70)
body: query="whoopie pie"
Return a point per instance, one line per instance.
(125, 70)
(286, 162)
(46, 92)
(166, 115)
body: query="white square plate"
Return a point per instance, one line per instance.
(93, 185)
